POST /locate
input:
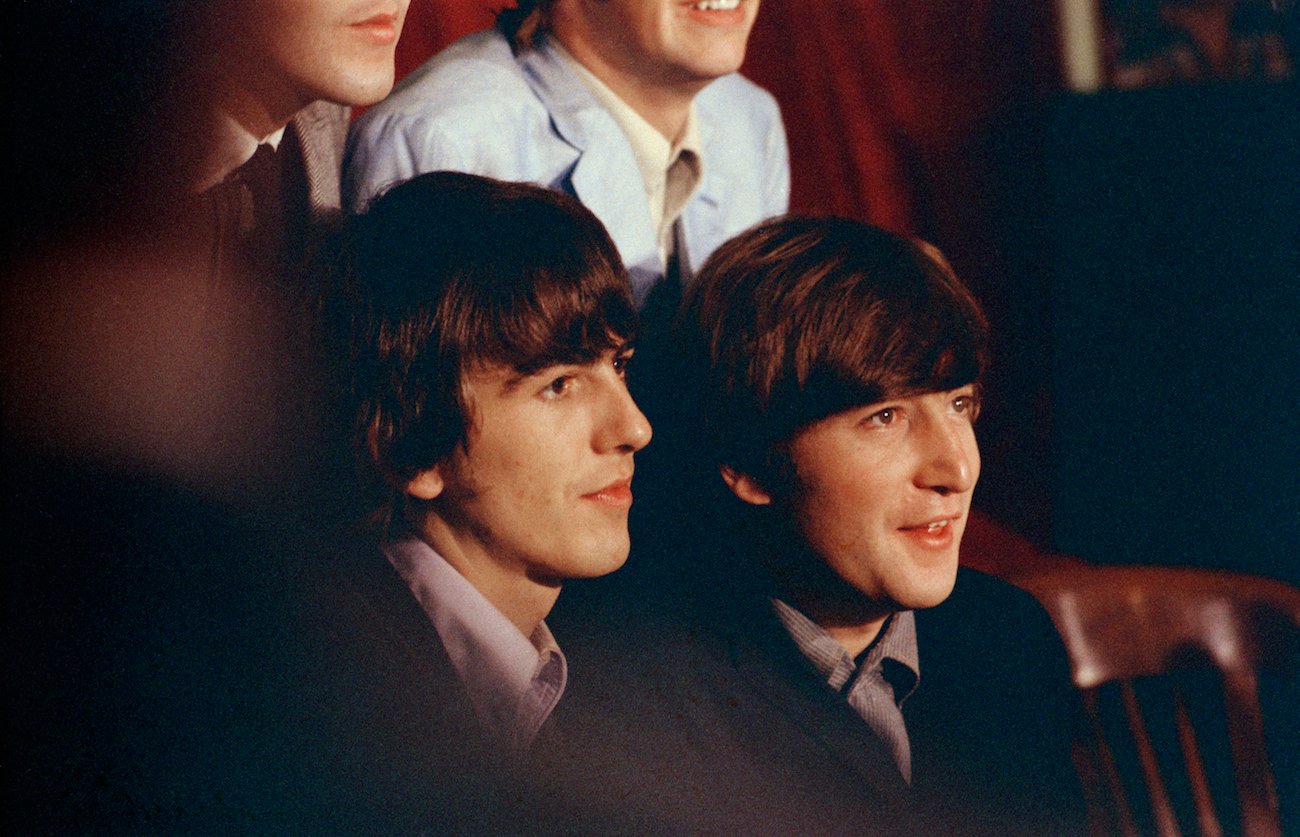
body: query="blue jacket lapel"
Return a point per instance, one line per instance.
(703, 218)
(605, 176)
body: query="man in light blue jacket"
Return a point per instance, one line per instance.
(634, 106)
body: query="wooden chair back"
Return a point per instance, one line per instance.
(1135, 635)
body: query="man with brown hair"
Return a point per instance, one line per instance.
(853, 679)
(493, 417)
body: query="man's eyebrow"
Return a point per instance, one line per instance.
(519, 374)
(516, 378)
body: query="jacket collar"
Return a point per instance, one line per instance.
(321, 128)
(767, 658)
(600, 179)
(600, 175)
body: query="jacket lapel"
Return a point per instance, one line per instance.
(704, 217)
(605, 176)
(321, 129)
(384, 607)
(767, 659)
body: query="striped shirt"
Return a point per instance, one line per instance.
(876, 684)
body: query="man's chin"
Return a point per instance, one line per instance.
(361, 89)
(932, 591)
(600, 562)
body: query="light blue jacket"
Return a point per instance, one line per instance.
(478, 108)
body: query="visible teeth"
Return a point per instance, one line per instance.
(934, 527)
(715, 5)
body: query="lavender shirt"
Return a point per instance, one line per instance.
(514, 681)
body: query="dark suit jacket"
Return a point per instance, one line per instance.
(991, 720)
(321, 130)
(283, 246)
(388, 738)
(722, 726)
(160, 478)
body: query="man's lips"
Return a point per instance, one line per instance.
(717, 12)
(617, 494)
(935, 532)
(381, 28)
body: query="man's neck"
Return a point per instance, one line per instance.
(524, 600)
(261, 107)
(664, 105)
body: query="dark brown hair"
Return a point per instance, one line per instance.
(449, 272)
(800, 318)
(524, 22)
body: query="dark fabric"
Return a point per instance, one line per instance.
(143, 657)
(992, 718)
(721, 726)
(167, 473)
(875, 683)
(679, 733)
(387, 735)
(262, 179)
(264, 218)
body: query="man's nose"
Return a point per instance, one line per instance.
(623, 426)
(950, 462)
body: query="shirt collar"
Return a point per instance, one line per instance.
(232, 146)
(654, 154)
(896, 643)
(495, 661)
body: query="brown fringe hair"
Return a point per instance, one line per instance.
(800, 318)
(450, 272)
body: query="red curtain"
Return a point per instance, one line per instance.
(882, 98)
(432, 24)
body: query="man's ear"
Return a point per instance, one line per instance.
(744, 486)
(425, 485)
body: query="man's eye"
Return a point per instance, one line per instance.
(621, 363)
(882, 418)
(559, 386)
(968, 404)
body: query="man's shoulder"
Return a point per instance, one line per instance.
(470, 108)
(474, 75)
(674, 703)
(485, 51)
(734, 97)
(744, 141)
(988, 628)
(991, 719)
(976, 591)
